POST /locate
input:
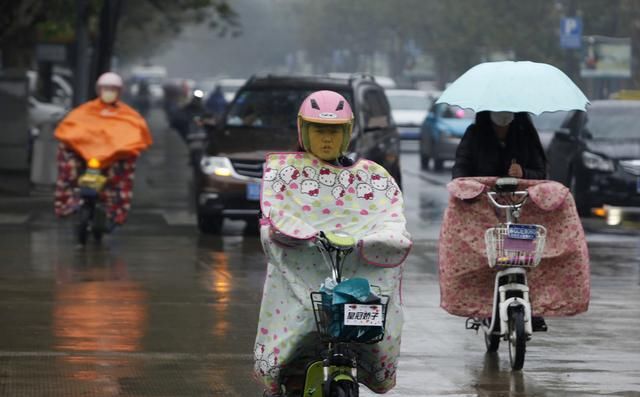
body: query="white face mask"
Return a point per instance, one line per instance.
(108, 96)
(502, 119)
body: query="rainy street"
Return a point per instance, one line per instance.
(160, 310)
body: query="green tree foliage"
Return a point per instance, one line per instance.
(457, 34)
(143, 23)
(146, 25)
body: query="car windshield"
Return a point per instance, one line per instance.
(613, 123)
(549, 121)
(408, 102)
(455, 112)
(272, 108)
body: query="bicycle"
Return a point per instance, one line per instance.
(341, 326)
(512, 249)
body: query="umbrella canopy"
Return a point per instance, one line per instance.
(515, 87)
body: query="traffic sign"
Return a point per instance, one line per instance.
(571, 32)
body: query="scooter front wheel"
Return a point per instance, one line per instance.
(82, 225)
(343, 388)
(517, 339)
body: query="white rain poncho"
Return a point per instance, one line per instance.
(301, 196)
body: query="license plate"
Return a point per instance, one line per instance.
(363, 315)
(522, 232)
(253, 191)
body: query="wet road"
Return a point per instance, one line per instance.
(161, 311)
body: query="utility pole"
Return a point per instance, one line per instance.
(81, 73)
(572, 56)
(109, 16)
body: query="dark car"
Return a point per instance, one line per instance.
(597, 155)
(441, 133)
(262, 119)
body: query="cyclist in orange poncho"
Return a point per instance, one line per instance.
(110, 131)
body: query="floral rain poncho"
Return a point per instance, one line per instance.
(302, 195)
(559, 285)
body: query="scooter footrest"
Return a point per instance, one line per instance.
(473, 323)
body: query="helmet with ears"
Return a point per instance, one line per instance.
(324, 107)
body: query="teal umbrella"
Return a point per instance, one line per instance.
(515, 87)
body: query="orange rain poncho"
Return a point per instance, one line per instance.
(105, 132)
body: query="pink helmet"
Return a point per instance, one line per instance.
(324, 107)
(109, 79)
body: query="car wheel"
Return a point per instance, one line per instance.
(424, 161)
(252, 227)
(579, 197)
(438, 164)
(424, 157)
(210, 224)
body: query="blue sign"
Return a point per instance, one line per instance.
(522, 232)
(571, 32)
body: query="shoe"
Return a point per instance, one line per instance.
(538, 324)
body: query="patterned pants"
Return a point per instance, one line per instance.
(117, 192)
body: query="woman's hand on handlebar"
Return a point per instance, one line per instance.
(515, 170)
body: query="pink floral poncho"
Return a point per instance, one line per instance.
(302, 195)
(559, 285)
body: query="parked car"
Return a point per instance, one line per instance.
(441, 133)
(262, 119)
(597, 155)
(409, 109)
(62, 91)
(41, 113)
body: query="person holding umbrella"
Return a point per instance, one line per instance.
(500, 144)
(503, 141)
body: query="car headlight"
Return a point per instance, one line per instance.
(212, 165)
(594, 161)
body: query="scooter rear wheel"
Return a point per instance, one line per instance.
(517, 339)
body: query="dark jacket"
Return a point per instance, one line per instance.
(480, 152)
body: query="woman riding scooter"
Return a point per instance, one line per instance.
(112, 134)
(317, 190)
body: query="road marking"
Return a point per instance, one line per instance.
(153, 355)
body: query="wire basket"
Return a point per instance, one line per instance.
(505, 249)
(330, 321)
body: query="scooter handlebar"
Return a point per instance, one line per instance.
(522, 196)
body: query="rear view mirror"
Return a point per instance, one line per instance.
(564, 134)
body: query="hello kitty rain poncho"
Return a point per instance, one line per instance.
(301, 196)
